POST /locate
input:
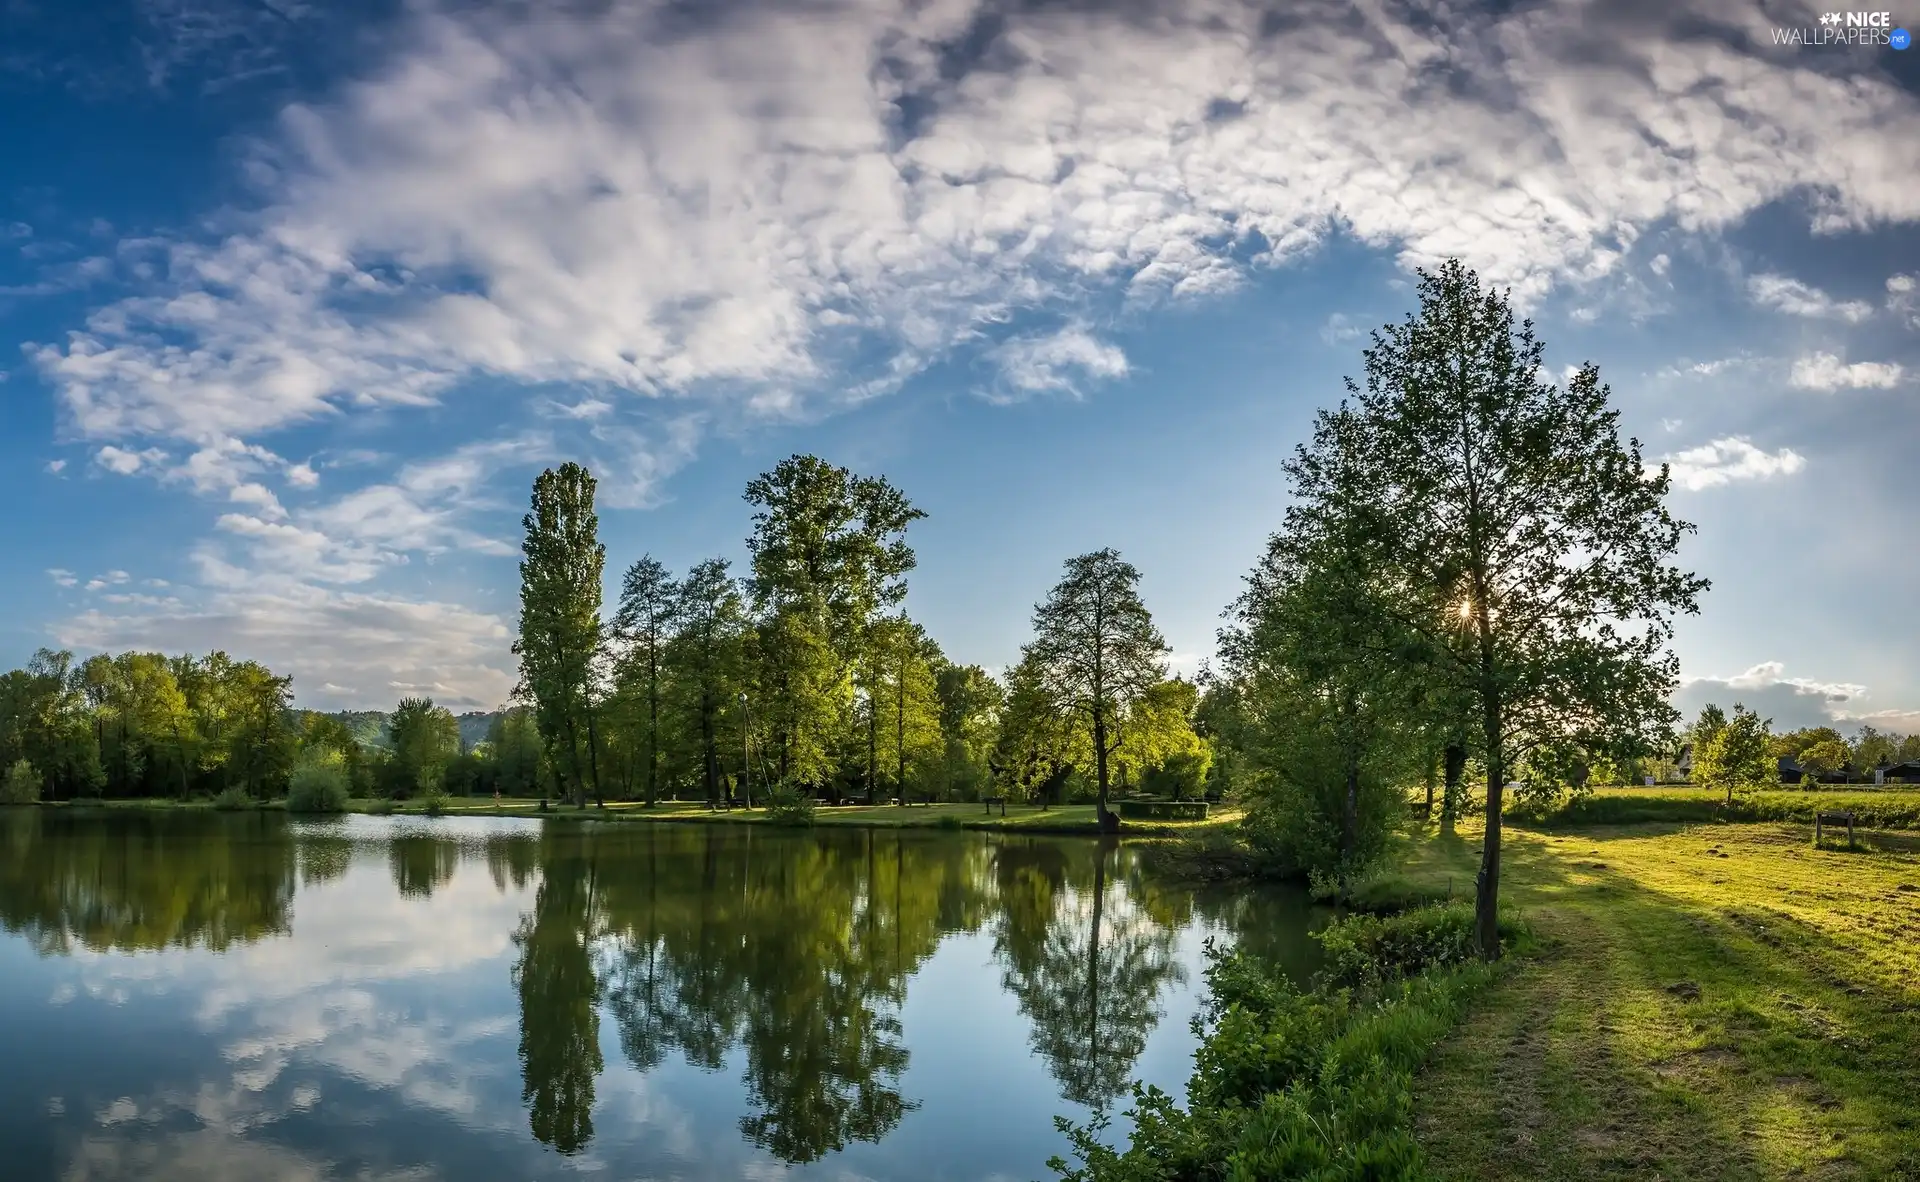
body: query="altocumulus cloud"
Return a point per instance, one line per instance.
(1825, 371)
(725, 207)
(1724, 461)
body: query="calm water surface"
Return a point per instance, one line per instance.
(203, 996)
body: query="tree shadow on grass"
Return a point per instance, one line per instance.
(1652, 1036)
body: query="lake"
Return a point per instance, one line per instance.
(195, 995)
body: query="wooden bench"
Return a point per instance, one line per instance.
(1834, 818)
(993, 800)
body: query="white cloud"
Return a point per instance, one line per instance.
(754, 211)
(1799, 299)
(598, 200)
(1724, 461)
(1792, 702)
(62, 578)
(1902, 301)
(1339, 329)
(56, 466)
(1659, 264)
(362, 644)
(1824, 371)
(126, 463)
(1057, 362)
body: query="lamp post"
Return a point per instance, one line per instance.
(746, 768)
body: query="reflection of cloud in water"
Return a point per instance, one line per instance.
(206, 1155)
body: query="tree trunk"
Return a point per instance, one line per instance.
(900, 732)
(1455, 767)
(1109, 823)
(1486, 904)
(873, 752)
(653, 724)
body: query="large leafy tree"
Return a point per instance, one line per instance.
(1514, 505)
(970, 705)
(1317, 642)
(560, 644)
(425, 739)
(649, 602)
(1095, 651)
(707, 659)
(904, 697)
(829, 557)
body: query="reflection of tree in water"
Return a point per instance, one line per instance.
(1086, 962)
(797, 949)
(141, 881)
(559, 996)
(421, 864)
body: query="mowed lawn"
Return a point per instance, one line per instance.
(1709, 1001)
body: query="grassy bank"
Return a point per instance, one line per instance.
(1709, 1001)
(1068, 819)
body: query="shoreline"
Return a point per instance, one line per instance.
(1076, 820)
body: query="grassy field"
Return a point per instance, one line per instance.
(1073, 818)
(1712, 1001)
(1884, 808)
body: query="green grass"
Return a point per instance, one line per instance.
(1706, 1001)
(1074, 818)
(1880, 808)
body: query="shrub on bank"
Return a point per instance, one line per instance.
(1291, 1084)
(232, 799)
(319, 787)
(21, 784)
(787, 805)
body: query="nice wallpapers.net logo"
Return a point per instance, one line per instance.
(1848, 28)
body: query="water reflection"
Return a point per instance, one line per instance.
(738, 979)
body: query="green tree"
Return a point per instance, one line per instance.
(517, 754)
(1823, 759)
(829, 556)
(649, 603)
(970, 705)
(905, 699)
(707, 660)
(1513, 503)
(1095, 651)
(1872, 748)
(1737, 756)
(559, 644)
(21, 784)
(425, 739)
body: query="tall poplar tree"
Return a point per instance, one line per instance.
(649, 602)
(1096, 651)
(559, 643)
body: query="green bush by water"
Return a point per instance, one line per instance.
(21, 784)
(232, 799)
(1291, 1084)
(789, 806)
(318, 788)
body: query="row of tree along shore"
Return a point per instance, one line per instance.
(1474, 575)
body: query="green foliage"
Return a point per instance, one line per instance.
(1736, 757)
(1367, 950)
(1823, 758)
(1164, 810)
(232, 799)
(21, 785)
(318, 786)
(1094, 656)
(425, 740)
(1300, 1085)
(559, 640)
(1883, 808)
(434, 804)
(789, 805)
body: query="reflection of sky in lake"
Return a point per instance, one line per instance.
(380, 1039)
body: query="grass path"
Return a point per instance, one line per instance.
(1715, 1001)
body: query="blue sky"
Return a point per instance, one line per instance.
(299, 297)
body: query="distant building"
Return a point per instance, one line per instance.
(1684, 764)
(1790, 772)
(1904, 773)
